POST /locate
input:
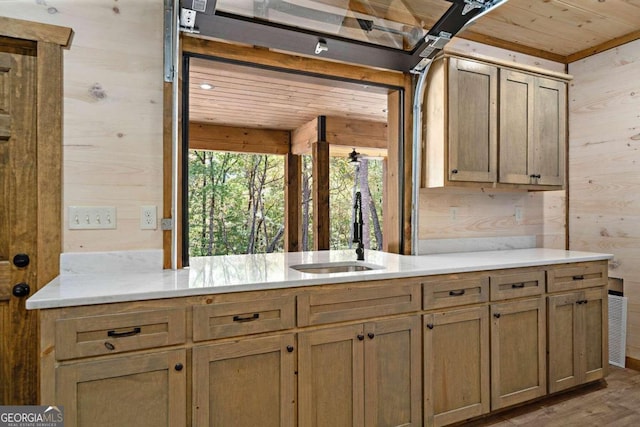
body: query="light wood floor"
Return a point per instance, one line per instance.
(617, 404)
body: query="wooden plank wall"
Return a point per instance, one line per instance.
(112, 113)
(604, 173)
(486, 213)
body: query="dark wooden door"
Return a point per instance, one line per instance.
(18, 225)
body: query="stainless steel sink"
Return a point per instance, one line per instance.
(336, 267)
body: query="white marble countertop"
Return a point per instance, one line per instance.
(237, 273)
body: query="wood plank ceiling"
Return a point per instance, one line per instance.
(260, 98)
(560, 30)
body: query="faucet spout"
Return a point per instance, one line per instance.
(357, 227)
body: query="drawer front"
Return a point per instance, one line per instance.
(455, 292)
(117, 333)
(330, 306)
(577, 276)
(516, 285)
(228, 319)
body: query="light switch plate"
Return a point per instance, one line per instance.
(92, 217)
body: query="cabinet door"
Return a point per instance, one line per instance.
(518, 352)
(245, 383)
(456, 365)
(473, 137)
(331, 377)
(549, 131)
(595, 330)
(516, 126)
(564, 345)
(143, 390)
(392, 379)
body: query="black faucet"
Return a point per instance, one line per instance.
(357, 227)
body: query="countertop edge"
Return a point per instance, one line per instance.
(464, 260)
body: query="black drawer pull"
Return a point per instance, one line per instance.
(578, 277)
(456, 293)
(360, 337)
(134, 331)
(255, 316)
(496, 315)
(371, 335)
(517, 285)
(290, 348)
(430, 325)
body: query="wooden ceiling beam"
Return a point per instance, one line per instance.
(268, 58)
(204, 136)
(356, 133)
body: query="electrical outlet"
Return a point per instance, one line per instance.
(92, 217)
(148, 217)
(519, 215)
(453, 213)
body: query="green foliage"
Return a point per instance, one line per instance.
(236, 203)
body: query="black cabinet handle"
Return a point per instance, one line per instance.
(496, 315)
(578, 277)
(430, 325)
(456, 293)
(255, 316)
(360, 337)
(517, 285)
(454, 171)
(134, 331)
(371, 335)
(536, 176)
(290, 348)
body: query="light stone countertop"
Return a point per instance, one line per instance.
(237, 273)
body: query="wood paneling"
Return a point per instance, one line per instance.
(603, 163)
(257, 97)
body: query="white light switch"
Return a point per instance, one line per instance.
(92, 217)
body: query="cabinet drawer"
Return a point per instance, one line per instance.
(116, 333)
(228, 319)
(516, 285)
(329, 306)
(454, 292)
(577, 276)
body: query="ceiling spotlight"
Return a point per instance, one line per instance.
(321, 47)
(206, 86)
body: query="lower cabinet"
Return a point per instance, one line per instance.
(577, 338)
(518, 352)
(143, 390)
(366, 374)
(245, 383)
(456, 365)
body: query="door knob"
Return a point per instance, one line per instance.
(21, 290)
(21, 260)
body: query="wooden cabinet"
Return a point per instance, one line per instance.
(577, 338)
(456, 365)
(364, 374)
(487, 123)
(414, 351)
(518, 351)
(245, 383)
(532, 129)
(147, 389)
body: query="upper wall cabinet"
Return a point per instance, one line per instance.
(489, 125)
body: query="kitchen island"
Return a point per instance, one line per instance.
(248, 340)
